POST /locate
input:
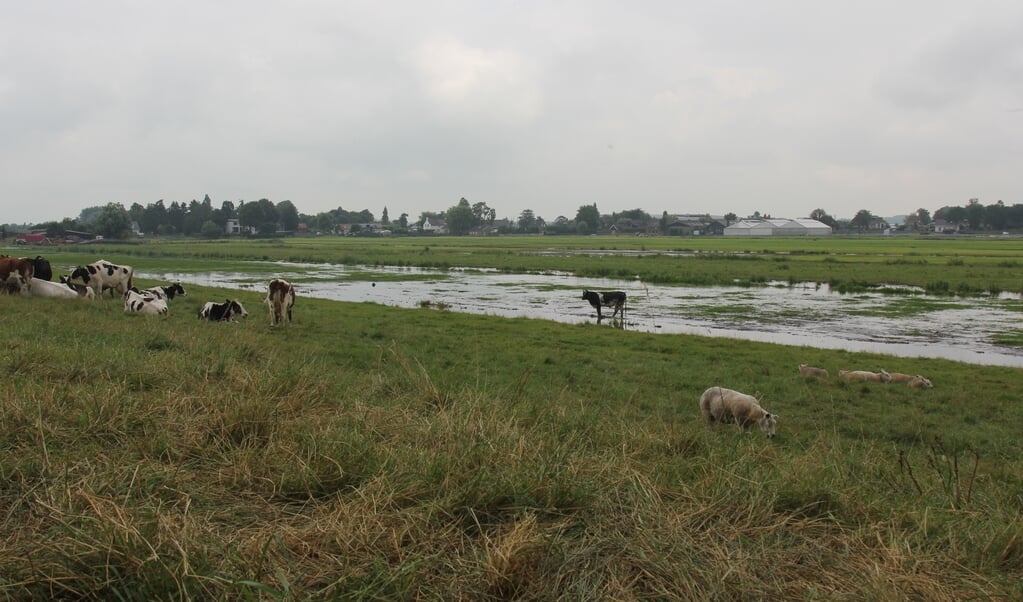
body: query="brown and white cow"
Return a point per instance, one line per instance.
(103, 275)
(16, 274)
(280, 298)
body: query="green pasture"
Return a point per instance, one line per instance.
(940, 265)
(371, 452)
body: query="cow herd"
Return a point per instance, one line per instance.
(25, 276)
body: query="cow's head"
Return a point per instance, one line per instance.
(82, 273)
(236, 309)
(176, 289)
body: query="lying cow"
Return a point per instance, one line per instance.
(139, 302)
(877, 377)
(280, 298)
(222, 312)
(80, 289)
(45, 288)
(809, 371)
(719, 404)
(103, 275)
(16, 274)
(613, 299)
(166, 292)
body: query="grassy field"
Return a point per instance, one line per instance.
(370, 452)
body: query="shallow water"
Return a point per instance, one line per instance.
(809, 315)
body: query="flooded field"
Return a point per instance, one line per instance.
(904, 325)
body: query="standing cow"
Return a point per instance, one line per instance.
(102, 275)
(280, 298)
(612, 299)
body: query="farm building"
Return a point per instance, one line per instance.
(778, 227)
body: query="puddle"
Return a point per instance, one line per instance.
(810, 315)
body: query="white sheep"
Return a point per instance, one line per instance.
(919, 382)
(805, 370)
(719, 404)
(877, 377)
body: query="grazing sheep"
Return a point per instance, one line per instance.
(877, 377)
(805, 370)
(919, 382)
(899, 377)
(719, 404)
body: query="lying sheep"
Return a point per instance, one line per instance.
(805, 370)
(877, 377)
(719, 404)
(919, 382)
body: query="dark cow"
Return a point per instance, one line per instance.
(222, 312)
(16, 274)
(167, 292)
(43, 271)
(613, 299)
(280, 298)
(103, 275)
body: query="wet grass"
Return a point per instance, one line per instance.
(940, 265)
(386, 453)
(909, 306)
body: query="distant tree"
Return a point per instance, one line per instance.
(483, 214)
(997, 216)
(975, 214)
(287, 215)
(665, 220)
(862, 220)
(403, 220)
(587, 219)
(460, 218)
(924, 216)
(527, 221)
(211, 230)
(731, 218)
(384, 219)
(113, 221)
(823, 217)
(955, 215)
(250, 215)
(88, 215)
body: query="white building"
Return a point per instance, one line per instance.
(778, 227)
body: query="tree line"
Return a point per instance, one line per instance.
(266, 218)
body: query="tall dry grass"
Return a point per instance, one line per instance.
(373, 453)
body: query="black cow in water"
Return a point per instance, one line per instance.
(613, 299)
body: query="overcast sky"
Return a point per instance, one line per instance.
(780, 107)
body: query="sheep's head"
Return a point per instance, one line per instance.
(885, 377)
(768, 424)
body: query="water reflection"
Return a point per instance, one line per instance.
(808, 315)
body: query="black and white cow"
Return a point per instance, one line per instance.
(222, 312)
(80, 289)
(103, 275)
(613, 299)
(167, 292)
(139, 302)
